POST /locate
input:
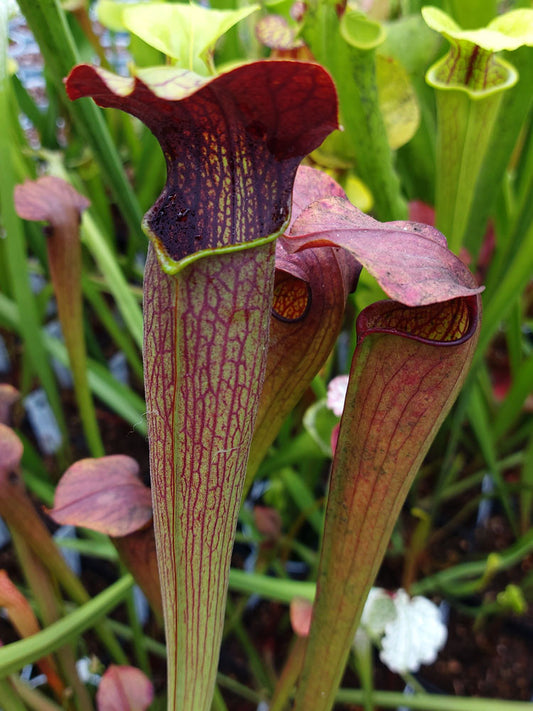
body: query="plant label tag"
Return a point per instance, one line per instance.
(72, 557)
(142, 609)
(118, 367)
(62, 372)
(5, 536)
(5, 363)
(42, 421)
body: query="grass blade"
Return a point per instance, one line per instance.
(18, 654)
(48, 24)
(14, 246)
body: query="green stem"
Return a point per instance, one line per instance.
(10, 699)
(512, 283)
(251, 654)
(64, 259)
(363, 664)
(226, 682)
(270, 588)
(84, 398)
(515, 244)
(450, 579)
(218, 701)
(126, 302)
(151, 645)
(45, 594)
(464, 131)
(119, 336)
(430, 702)
(341, 47)
(137, 632)
(33, 698)
(14, 656)
(289, 676)
(19, 514)
(526, 492)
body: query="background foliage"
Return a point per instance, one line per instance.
(465, 534)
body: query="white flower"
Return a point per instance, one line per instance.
(409, 630)
(86, 672)
(337, 394)
(12, 8)
(378, 611)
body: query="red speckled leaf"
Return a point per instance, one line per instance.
(410, 261)
(104, 495)
(232, 145)
(291, 299)
(124, 688)
(407, 370)
(449, 323)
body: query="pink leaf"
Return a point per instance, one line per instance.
(310, 292)
(301, 613)
(410, 260)
(50, 199)
(268, 522)
(124, 689)
(311, 185)
(104, 495)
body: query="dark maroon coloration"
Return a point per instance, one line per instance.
(232, 146)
